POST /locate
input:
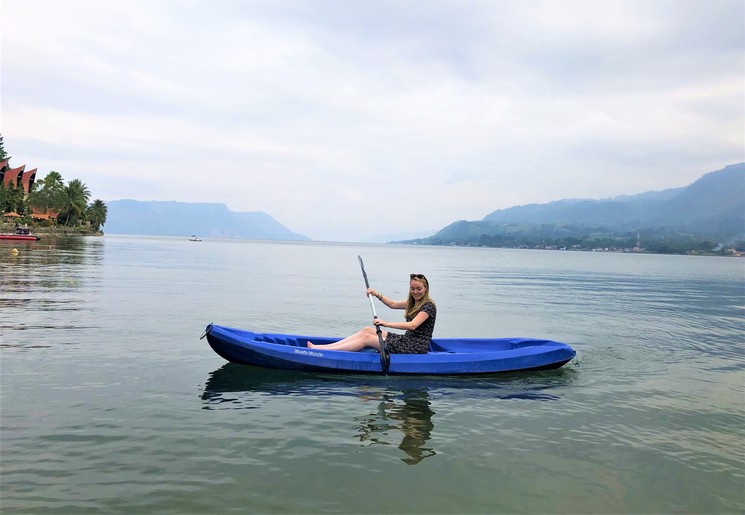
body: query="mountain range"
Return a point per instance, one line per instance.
(712, 207)
(168, 218)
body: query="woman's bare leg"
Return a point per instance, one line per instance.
(365, 337)
(362, 333)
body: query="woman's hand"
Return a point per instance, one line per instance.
(379, 322)
(372, 292)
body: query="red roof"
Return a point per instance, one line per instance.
(44, 216)
(28, 179)
(12, 175)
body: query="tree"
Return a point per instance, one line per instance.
(76, 202)
(6, 197)
(49, 193)
(3, 154)
(53, 180)
(14, 198)
(96, 214)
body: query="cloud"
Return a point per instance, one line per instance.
(348, 119)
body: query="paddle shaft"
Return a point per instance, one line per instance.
(385, 357)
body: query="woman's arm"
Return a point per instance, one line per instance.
(393, 304)
(406, 326)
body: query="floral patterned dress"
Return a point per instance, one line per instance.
(418, 340)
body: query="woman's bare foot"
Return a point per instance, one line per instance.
(309, 344)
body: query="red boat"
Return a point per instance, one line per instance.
(21, 234)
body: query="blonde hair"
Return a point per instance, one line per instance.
(412, 306)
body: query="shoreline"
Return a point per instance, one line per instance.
(59, 230)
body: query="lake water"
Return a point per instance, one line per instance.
(110, 402)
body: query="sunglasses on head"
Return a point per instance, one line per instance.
(417, 276)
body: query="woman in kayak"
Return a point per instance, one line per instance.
(420, 317)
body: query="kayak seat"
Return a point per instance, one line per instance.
(280, 341)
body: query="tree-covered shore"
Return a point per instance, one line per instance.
(48, 205)
(53, 230)
(577, 238)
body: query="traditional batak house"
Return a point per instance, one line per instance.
(11, 176)
(15, 176)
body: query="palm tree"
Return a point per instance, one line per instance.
(53, 180)
(76, 202)
(49, 193)
(96, 214)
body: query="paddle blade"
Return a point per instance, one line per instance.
(364, 274)
(385, 355)
(385, 359)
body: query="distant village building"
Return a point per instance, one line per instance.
(17, 176)
(11, 217)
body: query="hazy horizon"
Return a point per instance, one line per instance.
(347, 120)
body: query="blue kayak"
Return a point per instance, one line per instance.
(446, 356)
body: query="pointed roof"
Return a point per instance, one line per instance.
(11, 175)
(27, 179)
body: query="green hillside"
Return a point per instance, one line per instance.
(698, 217)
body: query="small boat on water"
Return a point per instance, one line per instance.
(21, 234)
(194, 238)
(446, 356)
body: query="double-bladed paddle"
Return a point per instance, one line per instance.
(385, 356)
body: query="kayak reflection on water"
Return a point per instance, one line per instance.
(402, 405)
(410, 413)
(406, 409)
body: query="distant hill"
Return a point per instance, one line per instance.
(713, 207)
(166, 218)
(405, 235)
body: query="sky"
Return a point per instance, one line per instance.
(350, 120)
